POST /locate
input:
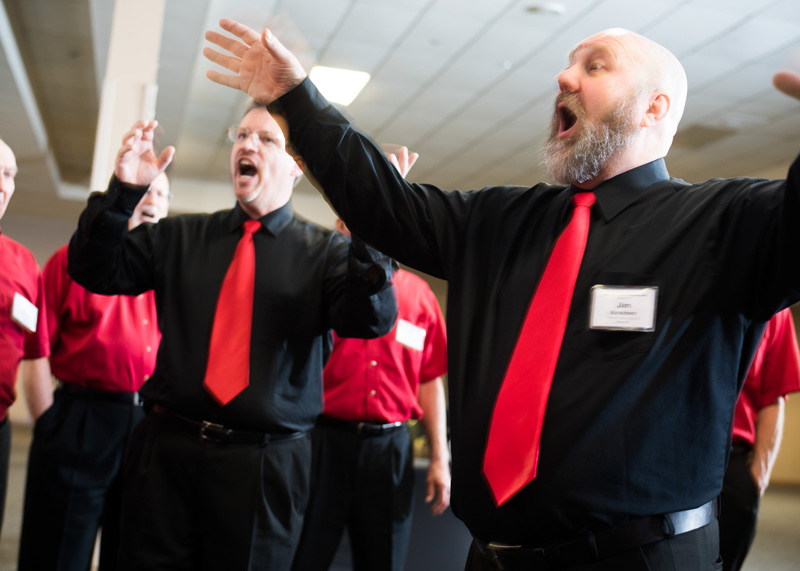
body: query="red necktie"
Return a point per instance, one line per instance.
(228, 371)
(512, 449)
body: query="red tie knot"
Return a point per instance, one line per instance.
(252, 226)
(584, 199)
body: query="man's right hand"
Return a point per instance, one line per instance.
(136, 162)
(262, 67)
(788, 82)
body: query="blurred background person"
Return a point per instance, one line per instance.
(363, 461)
(757, 432)
(103, 349)
(23, 325)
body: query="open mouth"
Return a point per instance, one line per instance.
(567, 119)
(246, 168)
(149, 212)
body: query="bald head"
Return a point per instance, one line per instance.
(8, 170)
(659, 69)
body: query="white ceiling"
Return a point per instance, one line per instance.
(468, 84)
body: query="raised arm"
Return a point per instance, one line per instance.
(98, 258)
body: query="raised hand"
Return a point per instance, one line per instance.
(136, 161)
(263, 68)
(402, 160)
(788, 82)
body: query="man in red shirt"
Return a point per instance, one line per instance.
(23, 329)
(362, 469)
(757, 432)
(103, 348)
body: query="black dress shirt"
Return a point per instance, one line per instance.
(303, 289)
(637, 423)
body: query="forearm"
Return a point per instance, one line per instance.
(96, 248)
(37, 383)
(363, 186)
(434, 419)
(769, 431)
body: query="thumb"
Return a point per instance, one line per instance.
(273, 45)
(282, 55)
(165, 158)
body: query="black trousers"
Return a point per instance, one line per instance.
(196, 504)
(363, 483)
(73, 483)
(738, 512)
(5, 455)
(696, 550)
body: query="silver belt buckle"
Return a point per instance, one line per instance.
(213, 432)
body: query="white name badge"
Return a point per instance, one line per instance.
(410, 335)
(623, 308)
(24, 313)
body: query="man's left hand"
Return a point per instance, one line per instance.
(438, 482)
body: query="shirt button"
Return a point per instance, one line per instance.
(146, 377)
(373, 363)
(145, 321)
(148, 349)
(372, 393)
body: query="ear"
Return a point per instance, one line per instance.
(658, 109)
(299, 165)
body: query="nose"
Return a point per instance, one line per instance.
(251, 141)
(567, 80)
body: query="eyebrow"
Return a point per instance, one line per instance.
(601, 49)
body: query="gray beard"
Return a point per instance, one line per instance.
(573, 161)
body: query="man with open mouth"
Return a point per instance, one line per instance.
(599, 328)
(217, 475)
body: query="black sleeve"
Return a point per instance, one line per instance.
(359, 291)
(104, 257)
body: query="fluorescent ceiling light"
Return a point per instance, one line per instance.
(338, 85)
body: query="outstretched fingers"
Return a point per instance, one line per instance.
(244, 33)
(227, 43)
(228, 62)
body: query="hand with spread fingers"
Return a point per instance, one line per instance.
(788, 83)
(402, 160)
(263, 68)
(137, 162)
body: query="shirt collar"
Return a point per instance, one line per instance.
(273, 222)
(616, 194)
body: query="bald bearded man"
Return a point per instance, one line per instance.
(672, 293)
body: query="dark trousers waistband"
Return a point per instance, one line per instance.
(212, 432)
(86, 393)
(598, 545)
(358, 427)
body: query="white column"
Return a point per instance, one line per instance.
(129, 85)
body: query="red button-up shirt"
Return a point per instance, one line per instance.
(775, 372)
(377, 380)
(19, 273)
(98, 341)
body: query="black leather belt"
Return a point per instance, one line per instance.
(360, 428)
(598, 545)
(212, 432)
(98, 394)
